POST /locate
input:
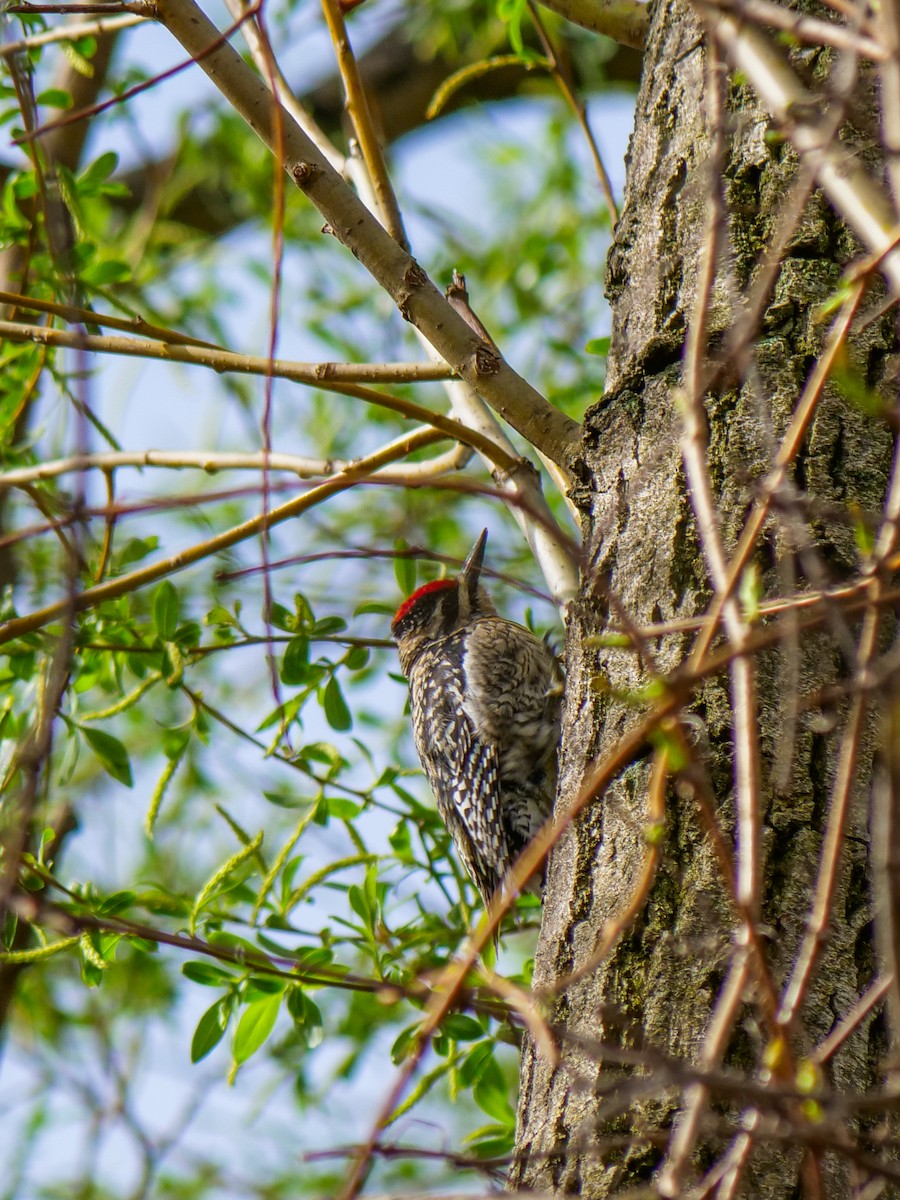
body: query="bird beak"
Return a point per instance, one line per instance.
(471, 571)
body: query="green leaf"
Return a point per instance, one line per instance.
(512, 12)
(287, 799)
(303, 613)
(21, 666)
(55, 98)
(100, 169)
(598, 346)
(404, 568)
(91, 974)
(8, 930)
(188, 635)
(108, 271)
(259, 986)
(174, 742)
(117, 903)
(256, 1024)
(323, 752)
(374, 606)
(750, 592)
(668, 738)
(475, 1062)
(207, 974)
(231, 941)
(307, 1017)
(308, 958)
(492, 1096)
(359, 903)
(839, 298)
(218, 615)
(284, 714)
(357, 658)
(282, 618)
(337, 713)
(371, 887)
(295, 662)
(107, 943)
(404, 1044)
(111, 753)
(143, 945)
(491, 1141)
(342, 808)
(210, 1029)
(863, 533)
(400, 841)
(165, 610)
(462, 1028)
(329, 626)
(135, 549)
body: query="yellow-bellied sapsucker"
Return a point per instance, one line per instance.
(485, 698)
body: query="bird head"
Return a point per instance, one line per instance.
(441, 607)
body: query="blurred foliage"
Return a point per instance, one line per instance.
(231, 860)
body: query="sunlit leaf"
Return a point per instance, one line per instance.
(209, 1031)
(255, 1026)
(165, 610)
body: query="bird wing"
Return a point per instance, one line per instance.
(464, 773)
(478, 803)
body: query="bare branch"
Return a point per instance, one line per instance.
(625, 21)
(74, 31)
(211, 460)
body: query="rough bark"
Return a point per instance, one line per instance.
(579, 1131)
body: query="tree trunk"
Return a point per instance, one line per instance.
(602, 1121)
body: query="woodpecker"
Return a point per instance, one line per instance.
(485, 696)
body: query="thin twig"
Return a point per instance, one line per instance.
(694, 450)
(886, 860)
(870, 1000)
(787, 451)
(721, 1024)
(357, 106)
(71, 33)
(212, 461)
(845, 775)
(619, 924)
(579, 110)
(887, 20)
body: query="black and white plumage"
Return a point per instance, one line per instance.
(485, 697)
